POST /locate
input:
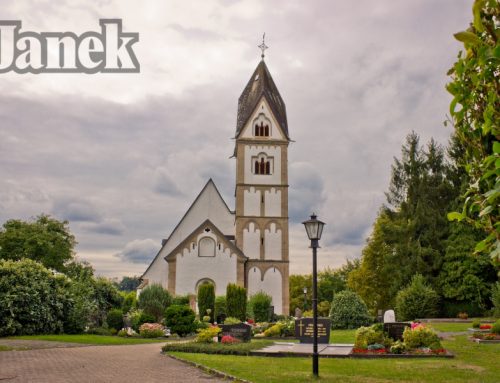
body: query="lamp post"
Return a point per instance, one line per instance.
(314, 229)
(305, 298)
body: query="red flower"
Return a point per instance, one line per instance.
(485, 327)
(228, 339)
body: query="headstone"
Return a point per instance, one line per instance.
(304, 330)
(395, 329)
(298, 313)
(389, 316)
(241, 331)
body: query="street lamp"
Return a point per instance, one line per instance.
(305, 298)
(314, 229)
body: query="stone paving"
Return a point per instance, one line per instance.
(131, 363)
(298, 349)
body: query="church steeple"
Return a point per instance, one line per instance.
(261, 84)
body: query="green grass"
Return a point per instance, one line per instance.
(89, 339)
(449, 327)
(342, 336)
(473, 363)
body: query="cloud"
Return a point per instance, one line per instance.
(109, 226)
(307, 194)
(139, 251)
(75, 210)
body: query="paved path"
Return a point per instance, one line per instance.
(134, 363)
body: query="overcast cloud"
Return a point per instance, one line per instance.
(122, 156)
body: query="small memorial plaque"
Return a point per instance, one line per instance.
(304, 330)
(395, 330)
(239, 331)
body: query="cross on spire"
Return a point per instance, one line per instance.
(263, 46)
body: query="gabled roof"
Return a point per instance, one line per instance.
(186, 242)
(208, 190)
(261, 84)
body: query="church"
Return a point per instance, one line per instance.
(248, 246)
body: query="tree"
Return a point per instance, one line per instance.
(259, 305)
(475, 113)
(180, 319)
(348, 311)
(129, 283)
(206, 300)
(45, 240)
(236, 301)
(296, 288)
(154, 300)
(417, 300)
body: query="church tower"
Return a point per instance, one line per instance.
(261, 153)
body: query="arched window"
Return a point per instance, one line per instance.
(261, 130)
(262, 166)
(206, 247)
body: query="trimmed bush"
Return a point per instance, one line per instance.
(206, 300)
(151, 330)
(138, 317)
(418, 300)
(348, 311)
(154, 300)
(421, 336)
(180, 320)
(366, 336)
(258, 306)
(476, 323)
(181, 300)
(236, 301)
(274, 331)
(242, 348)
(208, 334)
(114, 319)
(495, 329)
(220, 308)
(231, 320)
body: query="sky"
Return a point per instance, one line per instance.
(122, 156)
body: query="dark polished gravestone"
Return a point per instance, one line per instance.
(395, 329)
(239, 331)
(304, 330)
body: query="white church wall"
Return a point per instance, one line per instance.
(272, 242)
(251, 241)
(158, 272)
(252, 152)
(191, 268)
(262, 109)
(272, 201)
(270, 285)
(251, 202)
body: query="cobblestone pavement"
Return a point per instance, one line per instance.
(134, 363)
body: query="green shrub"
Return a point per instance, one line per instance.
(122, 333)
(236, 301)
(207, 335)
(366, 336)
(452, 309)
(324, 308)
(420, 336)
(129, 302)
(348, 311)
(31, 301)
(99, 331)
(115, 319)
(154, 300)
(274, 330)
(138, 317)
(287, 327)
(181, 300)
(220, 308)
(151, 330)
(495, 329)
(231, 320)
(259, 305)
(180, 320)
(398, 347)
(417, 300)
(476, 323)
(495, 299)
(243, 348)
(206, 300)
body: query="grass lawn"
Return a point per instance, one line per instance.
(89, 339)
(6, 348)
(449, 327)
(473, 363)
(342, 336)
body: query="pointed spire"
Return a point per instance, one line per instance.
(263, 46)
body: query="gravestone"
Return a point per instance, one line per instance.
(395, 329)
(298, 313)
(304, 330)
(389, 316)
(241, 331)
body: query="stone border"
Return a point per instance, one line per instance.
(209, 370)
(486, 341)
(285, 354)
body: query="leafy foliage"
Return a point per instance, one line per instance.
(231, 320)
(151, 330)
(45, 240)
(348, 311)
(206, 300)
(495, 298)
(182, 300)
(366, 336)
(154, 300)
(115, 319)
(259, 305)
(208, 334)
(418, 300)
(129, 301)
(236, 301)
(129, 283)
(242, 348)
(420, 336)
(180, 319)
(475, 111)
